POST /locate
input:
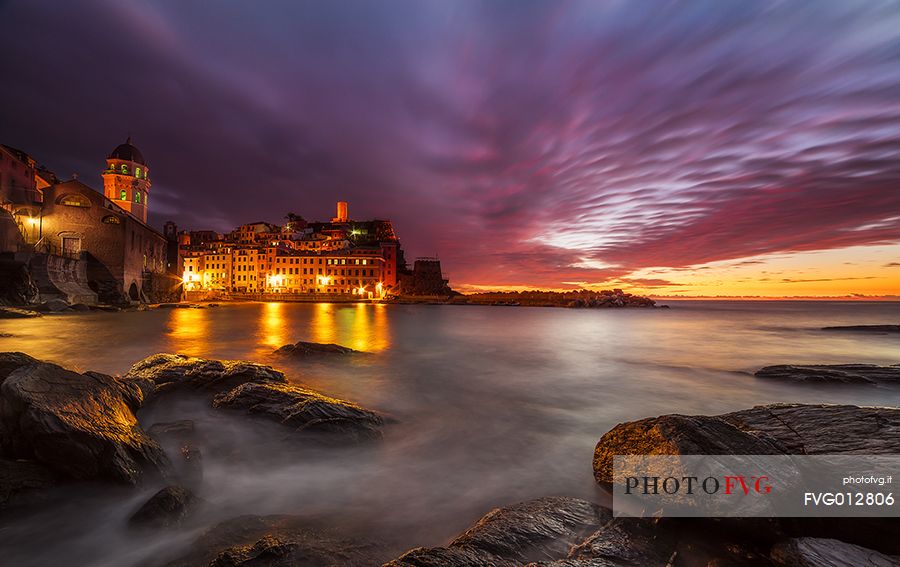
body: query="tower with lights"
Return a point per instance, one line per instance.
(126, 180)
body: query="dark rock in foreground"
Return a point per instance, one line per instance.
(820, 552)
(16, 313)
(80, 425)
(824, 429)
(304, 410)
(773, 429)
(18, 478)
(676, 435)
(833, 373)
(865, 328)
(542, 529)
(161, 373)
(277, 541)
(165, 509)
(303, 348)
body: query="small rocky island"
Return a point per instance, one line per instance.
(877, 329)
(605, 299)
(59, 427)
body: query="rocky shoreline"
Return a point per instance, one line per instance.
(59, 426)
(579, 299)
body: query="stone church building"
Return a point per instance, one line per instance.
(83, 245)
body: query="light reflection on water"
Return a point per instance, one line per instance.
(494, 404)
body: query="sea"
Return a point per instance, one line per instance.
(490, 405)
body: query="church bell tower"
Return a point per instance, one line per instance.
(126, 180)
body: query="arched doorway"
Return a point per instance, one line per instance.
(133, 292)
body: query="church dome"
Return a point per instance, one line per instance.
(127, 152)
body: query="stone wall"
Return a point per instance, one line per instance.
(64, 278)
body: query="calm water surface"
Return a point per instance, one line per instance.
(494, 405)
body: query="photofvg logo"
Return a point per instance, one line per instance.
(754, 485)
(729, 484)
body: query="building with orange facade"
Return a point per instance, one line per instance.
(352, 259)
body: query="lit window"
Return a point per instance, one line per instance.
(137, 197)
(75, 200)
(137, 172)
(123, 195)
(124, 168)
(111, 219)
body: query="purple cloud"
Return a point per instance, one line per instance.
(525, 142)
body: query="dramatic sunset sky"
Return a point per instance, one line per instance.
(673, 148)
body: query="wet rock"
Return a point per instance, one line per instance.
(762, 430)
(878, 329)
(269, 541)
(18, 478)
(537, 530)
(165, 509)
(676, 435)
(55, 304)
(178, 430)
(833, 373)
(304, 410)
(303, 348)
(663, 542)
(171, 372)
(80, 425)
(824, 429)
(450, 557)
(16, 313)
(821, 552)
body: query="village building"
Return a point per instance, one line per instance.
(80, 244)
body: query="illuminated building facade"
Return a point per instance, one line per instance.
(79, 243)
(126, 180)
(341, 257)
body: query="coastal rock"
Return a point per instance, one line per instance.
(450, 557)
(878, 329)
(55, 304)
(762, 430)
(178, 430)
(833, 373)
(16, 313)
(824, 429)
(821, 552)
(304, 410)
(303, 348)
(277, 541)
(676, 435)
(537, 530)
(80, 425)
(622, 541)
(170, 372)
(18, 478)
(165, 509)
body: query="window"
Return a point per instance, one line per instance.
(124, 169)
(123, 195)
(112, 219)
(137, 197)
(75, 200)
(137, 172)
